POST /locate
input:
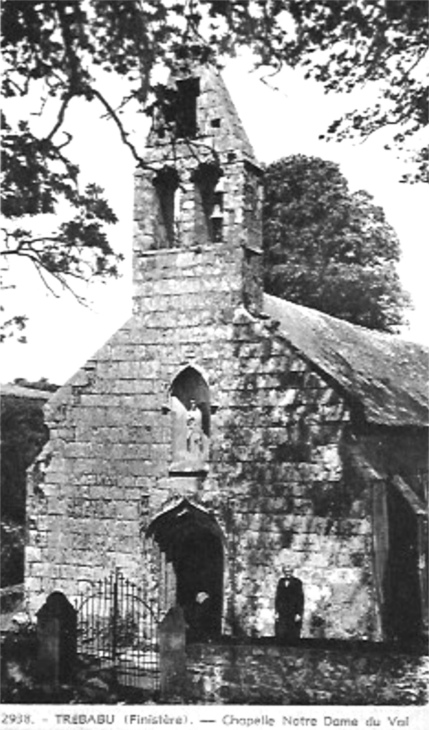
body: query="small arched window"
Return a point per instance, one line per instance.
(166, 184)
(208, 202)
(190, 406)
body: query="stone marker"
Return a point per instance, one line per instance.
(56, 633)
(172, 645)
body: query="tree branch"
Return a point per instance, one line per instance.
(420, 57)
(123, 134)
(60, 118)
(69, 138)
(70, 54)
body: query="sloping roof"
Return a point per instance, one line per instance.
(18, 391)
(386, 374)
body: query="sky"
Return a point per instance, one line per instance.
(288, 119)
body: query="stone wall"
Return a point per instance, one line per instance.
(275, 483)
(269, 675)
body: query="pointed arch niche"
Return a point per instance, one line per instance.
(190, 413)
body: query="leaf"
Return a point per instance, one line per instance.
(327, 248)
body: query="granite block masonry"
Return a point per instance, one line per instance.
(222, 433)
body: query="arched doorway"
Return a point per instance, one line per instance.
(191, 540)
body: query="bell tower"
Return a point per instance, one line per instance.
(198, 201)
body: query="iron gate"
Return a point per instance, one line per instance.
(118, 627)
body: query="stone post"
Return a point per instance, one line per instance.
(172, 660)
(56, 633)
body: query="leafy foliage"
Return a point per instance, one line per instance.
(55, 52)
(12, 552)
(23, 436)
(327, 248)
(348, 45)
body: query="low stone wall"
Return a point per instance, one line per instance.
(311, 674)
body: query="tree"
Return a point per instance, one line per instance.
(348, 45)
(56, 52)
(328, 248)
(24, 434)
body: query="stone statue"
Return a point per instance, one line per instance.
(190, 443)
(194, 431)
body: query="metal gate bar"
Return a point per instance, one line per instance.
(118, 627)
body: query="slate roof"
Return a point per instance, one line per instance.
(386, 374)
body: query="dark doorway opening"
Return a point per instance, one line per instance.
(403, 610)
(199, 570)
(192, 543)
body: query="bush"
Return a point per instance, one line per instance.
(12, 553)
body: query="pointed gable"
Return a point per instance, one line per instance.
(196, 106)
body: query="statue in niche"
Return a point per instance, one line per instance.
(190, 442)
(194, 431)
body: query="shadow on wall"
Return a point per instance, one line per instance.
(290, 497)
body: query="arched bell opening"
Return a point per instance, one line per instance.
(192, 543)
(209, 202)
(167, 206)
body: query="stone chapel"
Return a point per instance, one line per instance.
(222, 433)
